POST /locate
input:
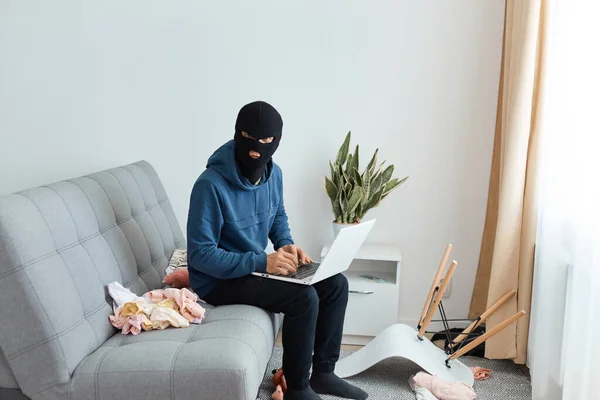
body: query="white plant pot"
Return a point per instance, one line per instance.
(337, 227)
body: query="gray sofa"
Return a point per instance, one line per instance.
(60, 245)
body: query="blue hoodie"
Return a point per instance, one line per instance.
(230, 221)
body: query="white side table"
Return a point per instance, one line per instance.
(372, 305)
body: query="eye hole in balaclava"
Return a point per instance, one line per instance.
(259, 121)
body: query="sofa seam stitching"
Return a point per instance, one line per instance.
(151, 217)
(56, 335)
(138, 225)
(86, 250)
(119, 225)
(246, 320)
(35, 292)
(141, 165)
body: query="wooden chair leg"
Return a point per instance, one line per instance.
(483, 317)
(436, 282)
(487, 335)
(437, 299)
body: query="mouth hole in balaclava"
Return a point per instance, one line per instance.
(258, 128)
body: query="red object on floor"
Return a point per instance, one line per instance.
(280, 384)
(481, 374)
(278, 393)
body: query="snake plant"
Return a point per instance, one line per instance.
(352, 193)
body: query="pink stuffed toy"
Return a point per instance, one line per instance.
(281, 384)
(178, 279)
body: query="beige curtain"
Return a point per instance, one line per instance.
(507, 248)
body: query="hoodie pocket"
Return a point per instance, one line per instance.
(264, 202)
(241, 224)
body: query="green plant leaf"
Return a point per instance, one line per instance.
(373, 161)
(377, 183)
(354, 200)
(337, 210)
(348, 188)
(355, 160)
(391, 185)
(331, 189)
(358, 212)
(346, 178)
(332, 171)
(340, 176)
(341, 200)
(345, 210)
(367, 183)
(374, 201)
(357, 178)
(343, 152)
(348, 163)
(361, 204)
(363, 211)
(386, 175)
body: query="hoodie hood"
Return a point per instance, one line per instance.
(223, 162)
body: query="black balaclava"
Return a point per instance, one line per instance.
(259, 120)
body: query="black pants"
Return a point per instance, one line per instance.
(314, 318)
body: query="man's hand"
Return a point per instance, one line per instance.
(299, 254)
(281, 262)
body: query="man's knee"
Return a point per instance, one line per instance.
(309, 295)
(333, 288)
(306, 296)
(339, 282)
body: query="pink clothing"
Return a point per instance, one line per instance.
(481, 374)
(443, 390)
(128, 323)
(157, 309)
(163, 317)
(185, 299)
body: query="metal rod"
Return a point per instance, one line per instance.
(469, 334)
(455, 320)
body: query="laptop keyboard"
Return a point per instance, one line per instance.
(304, 271)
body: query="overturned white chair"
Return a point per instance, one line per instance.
(401, 340)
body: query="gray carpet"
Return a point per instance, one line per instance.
(389, 379)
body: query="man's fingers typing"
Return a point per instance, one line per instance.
(283, 271)
(287, 263)
(293, 258)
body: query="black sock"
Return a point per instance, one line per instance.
(304, 394)
(329, 383)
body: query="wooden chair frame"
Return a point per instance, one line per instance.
(434, 301)
(399, 340)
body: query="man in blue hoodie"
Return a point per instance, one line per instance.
(236, 206)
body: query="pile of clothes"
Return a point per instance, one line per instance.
(157, 309)
(431, 387)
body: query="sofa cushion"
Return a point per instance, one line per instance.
(224, 358)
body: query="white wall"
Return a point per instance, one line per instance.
(88, 85)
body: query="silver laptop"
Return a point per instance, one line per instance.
(338, 258)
